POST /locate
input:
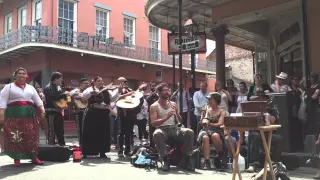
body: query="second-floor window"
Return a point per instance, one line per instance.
(38, 13)
(22, 15)
(102, 24)
(66, 14)
(154, 38)
(129, 31)
(8, 23)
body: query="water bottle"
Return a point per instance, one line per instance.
(241, 163)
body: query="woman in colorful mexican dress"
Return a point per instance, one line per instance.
(18, 119)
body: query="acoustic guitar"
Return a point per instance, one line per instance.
(80, 103)
(132, 101)
(63, 103)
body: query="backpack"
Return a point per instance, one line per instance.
(142, 159)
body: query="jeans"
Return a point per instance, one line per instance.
(142, 125)
(256, 144)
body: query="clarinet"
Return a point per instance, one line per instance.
(176, 116)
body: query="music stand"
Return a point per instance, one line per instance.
(251, 108)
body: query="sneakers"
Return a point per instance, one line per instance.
(251, 169)
(317, 176)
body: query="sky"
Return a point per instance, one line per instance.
(211, 45)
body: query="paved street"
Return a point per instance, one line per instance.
(97, 169)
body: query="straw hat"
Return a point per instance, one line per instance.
(282, 75)
(122, 79)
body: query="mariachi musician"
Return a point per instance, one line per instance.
(96, 126)
(127, 118)
(76, 95)
(152, 98)
(53, 92)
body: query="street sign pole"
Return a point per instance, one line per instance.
(174, 72)
(180, 54)
(193, 71)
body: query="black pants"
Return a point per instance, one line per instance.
(142, 125)
(256, 144)
(79, 122)
(56, 128)
(184, 116)
(125, 132)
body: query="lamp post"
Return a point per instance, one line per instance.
(190, 27)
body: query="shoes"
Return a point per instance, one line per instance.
(166, 164)
(17, 163)
(317, 176)
(207, 164)
(37, 161)
(251, 169)
(120, 154)
(190, 163)
(103, 155)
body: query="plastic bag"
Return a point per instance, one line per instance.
(302, 114)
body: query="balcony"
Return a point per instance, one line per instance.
(30, 38)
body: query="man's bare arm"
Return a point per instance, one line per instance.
(154, 117)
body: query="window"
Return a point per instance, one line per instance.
(129, 31)
(154, 37)
(102, 24)
(22, 16)
(66, 14)
(8, 23)
(37, 12)
(66, 21)
(154, 42)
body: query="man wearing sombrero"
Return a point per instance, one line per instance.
(279, 86)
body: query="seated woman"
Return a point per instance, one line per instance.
(211, 122)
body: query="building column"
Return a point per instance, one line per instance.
(46, 76)
(219, 34)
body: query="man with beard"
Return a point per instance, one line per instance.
(163, 113)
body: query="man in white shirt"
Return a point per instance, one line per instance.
(200, 100)
(185, 104)
(279, 86)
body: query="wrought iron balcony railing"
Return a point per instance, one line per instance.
(81, 40)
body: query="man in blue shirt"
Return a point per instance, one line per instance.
(200, 100)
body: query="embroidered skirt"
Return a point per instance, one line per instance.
(21, 131)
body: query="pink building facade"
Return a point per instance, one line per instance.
(56, 26)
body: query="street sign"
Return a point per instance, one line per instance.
(173, 43)
(191, 45)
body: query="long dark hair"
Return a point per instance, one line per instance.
(244, 85)
(95, 80)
